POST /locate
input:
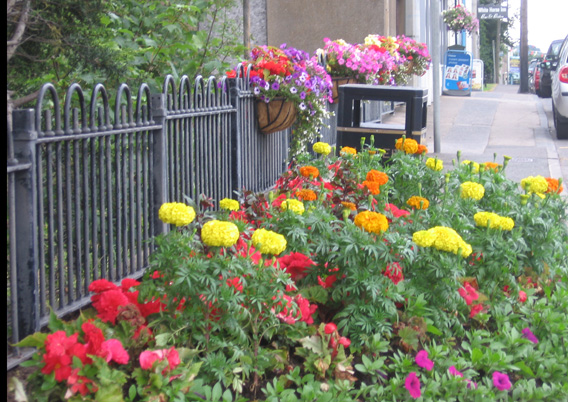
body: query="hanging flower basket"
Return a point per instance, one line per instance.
(276, 115)
(337, 81)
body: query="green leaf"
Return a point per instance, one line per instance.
(524, 368)
(36, 340)
(433, 330)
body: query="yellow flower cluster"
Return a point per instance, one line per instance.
(536, 184)
(493, 220)
(472, 190)
(322, 148)
(474, 166)
(176, 213)
(220, 233)
(268, 242)
(435, 164)
(418, 202)
(293, 205)
(228, 204)
(442, 238)
(372, 222)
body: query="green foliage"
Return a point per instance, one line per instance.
(130, 41)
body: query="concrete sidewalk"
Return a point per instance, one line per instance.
(487, 126)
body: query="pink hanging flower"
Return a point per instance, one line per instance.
(412, 384)
(476, 309)
(522, 296)
(112, 350)
(423, 361)
(468, 293)
(453, 371)
(330, 328)
(149, 357)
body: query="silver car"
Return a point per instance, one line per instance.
(560, 93)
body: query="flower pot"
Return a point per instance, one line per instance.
(337, 81)
(276, 115)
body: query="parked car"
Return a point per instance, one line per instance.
(548, 65)
(533, 67)
(560, 92)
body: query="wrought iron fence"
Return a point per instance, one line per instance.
(84, 184)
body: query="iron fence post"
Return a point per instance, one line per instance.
(25, 138)
(235, 135)
(159, 162)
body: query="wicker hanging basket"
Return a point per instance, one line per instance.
(276, 115)
(337, 81)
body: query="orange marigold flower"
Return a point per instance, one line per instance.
(377, 177)
(348, 150)
(309, 171)
(306, 195)
(418, 202)
(491, 166)
(372, 222)
(422, 149)
(349, 205)
(373, 187)
(408, 145)
(553, 185)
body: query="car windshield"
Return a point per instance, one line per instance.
(554, 49)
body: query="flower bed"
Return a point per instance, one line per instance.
(356, 278)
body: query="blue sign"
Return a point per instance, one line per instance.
(457, 73)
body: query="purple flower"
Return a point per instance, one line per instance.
(527, 333)
(412, 384)
(501, 381)
(423, 361)
(302, 95)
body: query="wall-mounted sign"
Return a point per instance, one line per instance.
(457, 73)
(488, 12)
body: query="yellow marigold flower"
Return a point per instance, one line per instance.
(493, 220)
(372, 222)
(309, 171)
(219, 233)
(418, 202)
(377, 177)
(293, 205)
(474, 166)
(349, 205)
(306, 195)
(348, 150)
(408, 145)
(435, 164)
(472, 190)
(554, 185)
(322, 148)
(442, 238)
(228, 204)
(268, 242)
(373, 187)
(176, 213)
(536, 184)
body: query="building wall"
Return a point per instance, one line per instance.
(304, 23)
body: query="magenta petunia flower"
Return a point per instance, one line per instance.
(501, 381)
(455, 372)
(412, 384)
(423, 361)
(527, 333)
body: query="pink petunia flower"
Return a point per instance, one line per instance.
(501, 381)
(412, 384)
(527, 333)
(423, 361)
(453, 371)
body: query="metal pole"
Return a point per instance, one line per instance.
(435, 54)
(524, 56)
(246, 27)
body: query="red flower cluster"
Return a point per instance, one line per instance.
(393, 271)
(296, 265)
